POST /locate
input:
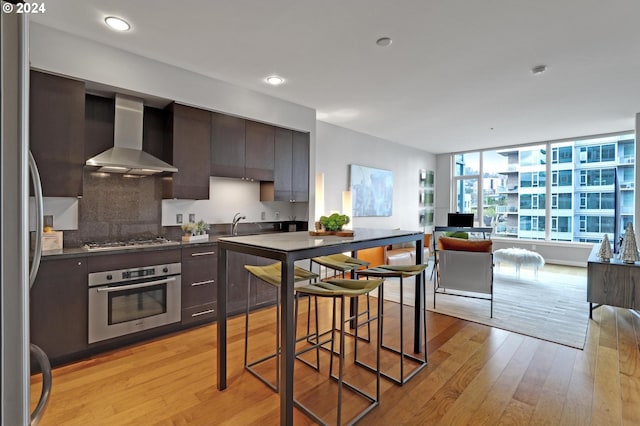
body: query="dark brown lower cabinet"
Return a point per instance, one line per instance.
(199, 288)
(58, 307)
(262, 294)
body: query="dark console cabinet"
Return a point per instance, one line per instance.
(613, 283)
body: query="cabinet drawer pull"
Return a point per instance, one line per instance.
(204, 253)
(203, 283)
(197, 314)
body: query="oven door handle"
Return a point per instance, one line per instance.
(131, 286)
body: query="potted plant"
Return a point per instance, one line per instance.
(195, 231)
(334, 222)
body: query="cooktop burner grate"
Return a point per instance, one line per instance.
(125, 244)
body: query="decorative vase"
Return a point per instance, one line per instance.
(629, 249)
(605, 249)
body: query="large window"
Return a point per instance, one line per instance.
(564, 191)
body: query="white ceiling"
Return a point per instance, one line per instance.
(457, 76)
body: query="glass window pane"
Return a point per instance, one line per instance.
(593, 154)
(564, 201)
(533, 156)
(608, 152)
(565, 178)
(565, 154)
(593, 224)
(525, 180)
(607, 176)
(467, 164)
(607, 201)
(593, 201)
(525, 201)
(467, 196)
(606, 224)
(495, 181)
(593, 177)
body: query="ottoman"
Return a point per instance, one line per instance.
(519, 257)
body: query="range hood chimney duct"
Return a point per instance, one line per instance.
(127, 155)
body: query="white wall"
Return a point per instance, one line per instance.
(443, 189)
(227, 197)
(338, 147)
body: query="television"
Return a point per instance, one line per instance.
(460, 220)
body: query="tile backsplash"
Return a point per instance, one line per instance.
(115, 207)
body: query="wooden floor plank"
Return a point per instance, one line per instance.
(530, 387)
(607, 407)
(629, 359)
(476, 375)
(462, 410)
(501, 393)
(555, 389)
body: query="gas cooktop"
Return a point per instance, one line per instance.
(127, 244)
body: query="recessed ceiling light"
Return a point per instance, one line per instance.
(274, 80)
(538, 69)
(384, 41)
(117, 24)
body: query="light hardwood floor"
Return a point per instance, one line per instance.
(476, 375)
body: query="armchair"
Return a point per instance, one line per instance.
(464, 265)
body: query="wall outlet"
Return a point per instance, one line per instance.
(179, 218)
(263, 215)
(192, 218)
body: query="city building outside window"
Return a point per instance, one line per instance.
(590, 190)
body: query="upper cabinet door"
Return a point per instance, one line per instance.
(56, 133)
(259, 151)
(189, 144)
(227, 146)
(284, 161)
(98, 125)
(291, 175)
(300, 167)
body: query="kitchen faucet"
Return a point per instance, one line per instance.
(234, 226)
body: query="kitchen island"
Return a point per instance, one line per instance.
(288, 248)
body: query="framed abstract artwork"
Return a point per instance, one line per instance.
(372, 191)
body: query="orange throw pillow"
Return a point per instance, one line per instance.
(459, 244)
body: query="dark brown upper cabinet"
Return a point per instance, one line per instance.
(300, 167)
(56, 132)
(98, 125)
(242, 148)
(188, 148)
(227, 146)
(291, 175)
(259, 151)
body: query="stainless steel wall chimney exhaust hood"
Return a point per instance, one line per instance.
(127, 155)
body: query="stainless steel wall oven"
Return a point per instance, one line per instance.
(126, 301)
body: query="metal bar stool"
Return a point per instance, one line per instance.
(341, 263)
(401, 272)
(343, 289)
(271, 274)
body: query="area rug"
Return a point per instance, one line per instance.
(552, 307)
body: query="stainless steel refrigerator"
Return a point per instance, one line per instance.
(17, 270)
